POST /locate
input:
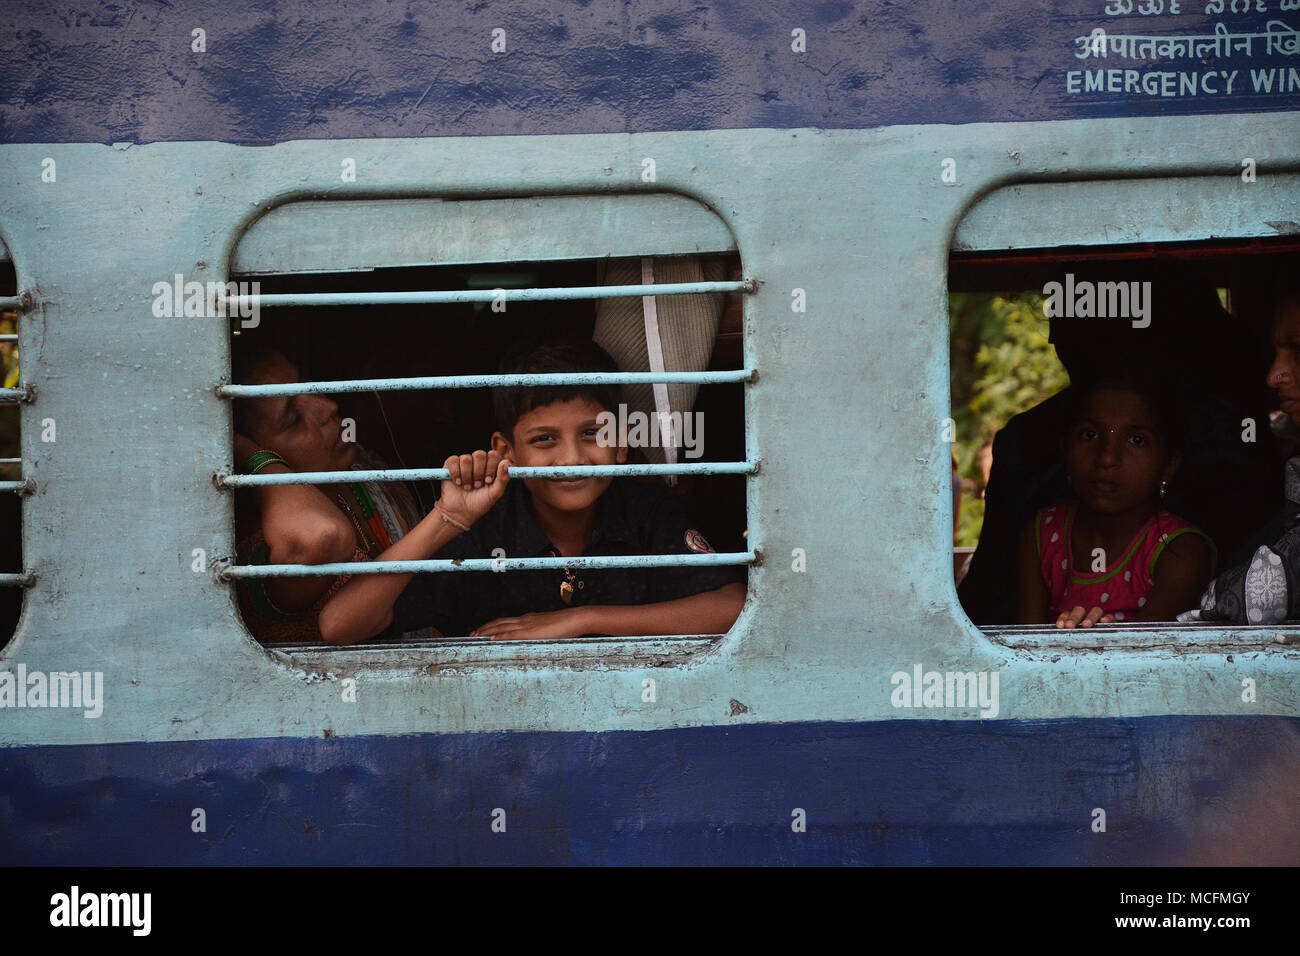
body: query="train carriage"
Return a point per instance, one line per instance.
(849, 163)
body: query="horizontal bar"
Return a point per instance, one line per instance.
(447, 296)
(517, 471)
(11, 461)
(23, 579)
(8, 337)
(22, 487)
(21, 394)
(485, 381)
(13, 303)
(487, 564)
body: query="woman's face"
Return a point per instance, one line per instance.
(304, 430)
(1284, 373)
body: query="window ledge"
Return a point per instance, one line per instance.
(457, 654)
(1185, 637)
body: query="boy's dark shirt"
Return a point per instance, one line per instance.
(630, 519)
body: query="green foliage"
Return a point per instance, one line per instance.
(1002, 364)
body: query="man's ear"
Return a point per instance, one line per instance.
(501, 445)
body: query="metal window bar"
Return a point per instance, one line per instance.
(14, 303)
(233, 391)
(438, 474)
(483, 381)
(488, 564)
(450, 296)
(22, 579)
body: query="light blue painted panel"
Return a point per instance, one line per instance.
(845, 415)
(1107, 212)
(336, 236)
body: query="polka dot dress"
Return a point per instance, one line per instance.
(1118, 584)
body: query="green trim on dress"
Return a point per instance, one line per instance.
(1106, 576)
(1214, 551)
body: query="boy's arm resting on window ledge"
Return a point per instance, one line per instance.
(363, 608)
(710, 612)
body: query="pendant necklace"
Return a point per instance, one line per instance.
(571, 585)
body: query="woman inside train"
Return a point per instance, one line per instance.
(303, 524)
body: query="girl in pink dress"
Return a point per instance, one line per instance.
(1113, 555)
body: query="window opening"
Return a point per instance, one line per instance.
(13, 579)
(410, 378)
(1197, 326)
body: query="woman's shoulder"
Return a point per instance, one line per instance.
(1173, 534)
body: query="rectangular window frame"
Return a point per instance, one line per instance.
(1080, 216)
(692, 234)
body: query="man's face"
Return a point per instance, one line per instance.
(562, 433)
(304, 430)
(1284, 373)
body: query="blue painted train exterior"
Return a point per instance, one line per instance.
(1180, 791)
(824, 170)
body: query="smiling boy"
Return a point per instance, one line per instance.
(482, 514)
